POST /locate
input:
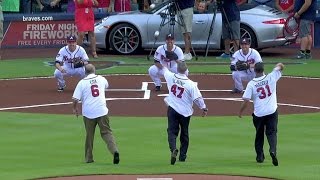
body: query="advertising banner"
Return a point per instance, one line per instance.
(43, 33)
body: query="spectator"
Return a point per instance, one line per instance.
(186, 9)
(305, 10)
(49, 5)
(269, 3)
(84, 20)
(230, 27)
(262, 90)
(71, 7)
(25, 6)
(106, 5)
(91, 92)
(122, 5)
(285, 6)
(240, 2)
(202, 7)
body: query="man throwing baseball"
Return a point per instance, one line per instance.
(242, 65)
(167, 54)
(69, 62)
(91, 92)
(183, 92)
(262, 90)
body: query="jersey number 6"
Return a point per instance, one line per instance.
(176, 88)
(95, 90)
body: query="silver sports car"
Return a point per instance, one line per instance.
(129, 32)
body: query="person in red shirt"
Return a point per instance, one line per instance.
(284, 5)
(106, 5)
(84, 20)
(240, 2)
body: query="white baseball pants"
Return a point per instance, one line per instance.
(240, 76)
(79, 72)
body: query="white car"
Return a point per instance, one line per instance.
(129, 32)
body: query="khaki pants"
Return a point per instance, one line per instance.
(105, 132)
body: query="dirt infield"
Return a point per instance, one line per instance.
(134, 96)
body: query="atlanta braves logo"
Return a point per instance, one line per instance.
(71, 60)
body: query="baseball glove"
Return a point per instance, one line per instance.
(242, 66)
(171, 55)
(77, 63)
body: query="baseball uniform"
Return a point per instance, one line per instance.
(160, 57)
(91, 92)
(182, 93)
(263, 92)
(66, 57)
(251, 58)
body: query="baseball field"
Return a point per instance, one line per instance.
(41, 138)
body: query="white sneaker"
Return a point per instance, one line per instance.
(187, 56)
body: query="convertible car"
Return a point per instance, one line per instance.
(129, 32)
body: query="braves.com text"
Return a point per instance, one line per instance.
(37, 18)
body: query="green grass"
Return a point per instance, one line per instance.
(40, 145)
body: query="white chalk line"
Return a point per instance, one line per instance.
(196, 74)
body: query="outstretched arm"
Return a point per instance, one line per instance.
(279, 66)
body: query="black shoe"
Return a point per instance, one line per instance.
(60, 89)
(236, 91)
(174, 156)
(157, 88)
(274, 159)
(116, 158)
(260, 159)
(182, 160)
(90, 161)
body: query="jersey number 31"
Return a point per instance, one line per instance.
(264, 91)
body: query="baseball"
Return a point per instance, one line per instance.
(152, 6)
(156, 34)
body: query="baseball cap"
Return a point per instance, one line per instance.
(245, 41)
(72, 38)
(169, 36)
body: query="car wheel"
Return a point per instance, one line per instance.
(246, 32)
(124, 39)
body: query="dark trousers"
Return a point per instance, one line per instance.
(269, 124)
(175, 122)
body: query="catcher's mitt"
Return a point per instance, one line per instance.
(77, 63)
(171, 55)
(242, 66)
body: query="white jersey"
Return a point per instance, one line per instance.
(252, 57)
(91, 91)
(182, 92)
(160, 56)
(263, 92)
(67, 57)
